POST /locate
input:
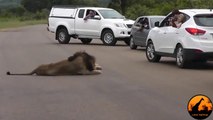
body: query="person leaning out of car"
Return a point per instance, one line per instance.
(144, 23)
(177, 19)
(90, 15)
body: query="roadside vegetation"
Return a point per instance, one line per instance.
(134, 8)
(15, 22)
(17, 16)
(15, 13)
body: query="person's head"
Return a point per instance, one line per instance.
(175, 11)
(180, 18)
(92, 13)
(144, 21)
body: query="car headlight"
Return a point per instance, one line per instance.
(119, 25)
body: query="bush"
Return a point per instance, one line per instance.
(12, 12)
(43, 14)
(26, 16)
(17, 11)
(5, 13)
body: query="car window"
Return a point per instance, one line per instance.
(165, 21)
(143, 22)
(146, 23)
(91, 16)
(170, 17)
(140, 20)
(81, 13)
(204, 20)
(137, 21)
(153, 20)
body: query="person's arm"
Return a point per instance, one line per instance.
(178, 25)
(87, 17)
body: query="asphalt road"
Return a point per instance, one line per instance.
(130, 88)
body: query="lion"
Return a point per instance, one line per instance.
(81, 63)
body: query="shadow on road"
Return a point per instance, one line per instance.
(92, 44)
(193, 65)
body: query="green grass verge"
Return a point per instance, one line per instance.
(14, 22)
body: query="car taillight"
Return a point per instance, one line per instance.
(195, 31)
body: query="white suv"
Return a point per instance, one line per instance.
(193, 41)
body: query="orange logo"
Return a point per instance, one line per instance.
(200, 107)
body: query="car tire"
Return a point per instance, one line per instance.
(150, 53)
(108, 37)
(63, 36)
(132, 44)
(181, 60)
(86, 40)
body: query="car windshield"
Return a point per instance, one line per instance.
(111, 14)
(204, 20)
(153, 20)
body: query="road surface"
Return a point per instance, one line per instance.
(130, 88)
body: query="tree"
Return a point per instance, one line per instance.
(119, 5)
(123, 6)
(115, 4)
(35, 5)
(137, 10)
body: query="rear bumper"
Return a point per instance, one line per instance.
(195, 54)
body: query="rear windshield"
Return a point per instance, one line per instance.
(204, 20)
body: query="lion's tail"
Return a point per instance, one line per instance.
(31, 73)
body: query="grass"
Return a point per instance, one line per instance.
(15, 22)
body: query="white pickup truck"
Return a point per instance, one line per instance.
(106, 24)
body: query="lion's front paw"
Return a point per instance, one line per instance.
(98, 67)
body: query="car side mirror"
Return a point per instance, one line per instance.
(97, 17)
(157, 24)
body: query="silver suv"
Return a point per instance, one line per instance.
(141, 28)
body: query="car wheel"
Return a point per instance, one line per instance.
(86, 40)
(150, 53)
(63, 36)
(108, 38)
(180, 57)
(132, 44)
